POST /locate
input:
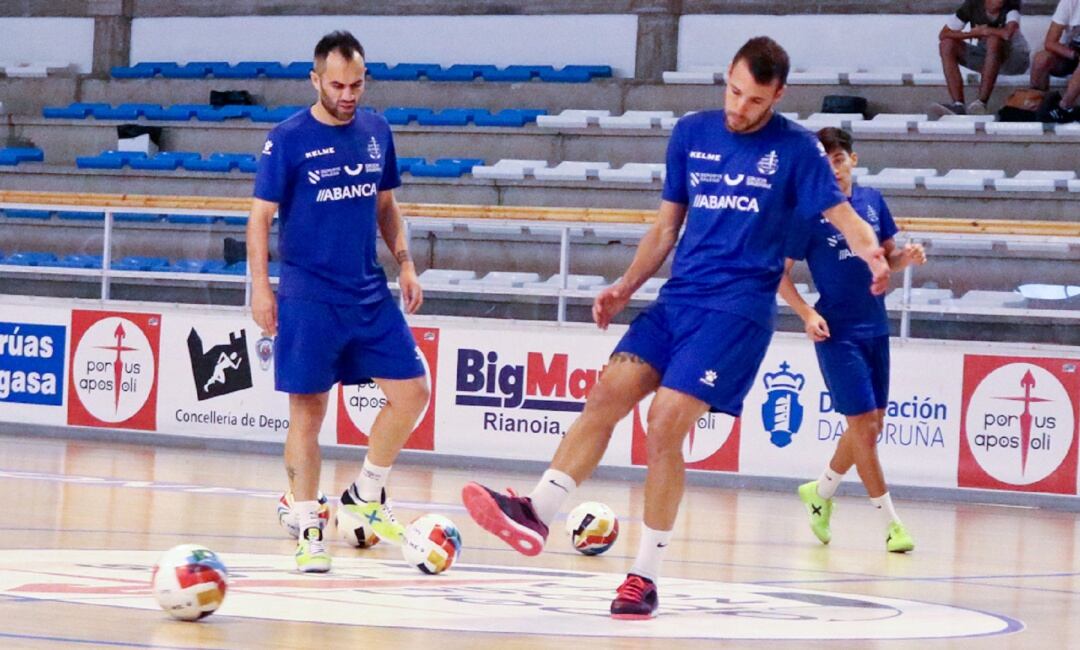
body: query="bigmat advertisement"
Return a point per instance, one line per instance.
(960, 415)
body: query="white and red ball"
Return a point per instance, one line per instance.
(593, 527)
(432, 544)
(189, 582)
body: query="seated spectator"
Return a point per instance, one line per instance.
(1000, 48)
(1059, 58)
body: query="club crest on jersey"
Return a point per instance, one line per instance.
(373, 149)
(267, 147)
(769, 163)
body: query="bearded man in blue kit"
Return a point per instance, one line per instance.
(739, 180)
(330, 173)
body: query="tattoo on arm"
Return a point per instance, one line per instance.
(626, 356)
(402, 256)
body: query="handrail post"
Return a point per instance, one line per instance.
(564, 269)
(106, 255)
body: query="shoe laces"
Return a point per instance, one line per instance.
(388, 512)
(633, 588)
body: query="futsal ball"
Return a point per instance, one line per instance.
(287, 518)
(354, 528)
(432, 544)
(593, 527)
(189, 582)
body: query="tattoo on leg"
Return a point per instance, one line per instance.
(626, 356)
(291, 471)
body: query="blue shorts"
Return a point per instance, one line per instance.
(708, 354)
(856, 373)
(319, 344)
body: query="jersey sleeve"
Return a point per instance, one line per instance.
(886, 221)
(797, 239)
(390, 178)
(272, 171)
(675, 179)
(815, 185)
(1061, 14)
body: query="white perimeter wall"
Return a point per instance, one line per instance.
(851, 42)
(501, 40)
(59, 41)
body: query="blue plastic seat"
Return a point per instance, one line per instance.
(191, 219)
(402, 115)
(294, 70)
(574, 73)
(143, 70)
(248, 164)
(235, 221)
(508, 117)
(188, 266)
(123, 111)
(451, 117)
(139, 263)
(81, 216)
(210, 113)
(236, 268)
(446, 167)
(461, 72)
(175, 113)
(405, 165)
(193, 70)
(109, 159)
(165, 160)
(74, 111)
(78, 261)
(30, 258)
(28, 214)
(136, 217)
(377, 70)
(515, 73)
(16, 155)
(220, 162)
(279, 114)
(243, 70)
(405, 71)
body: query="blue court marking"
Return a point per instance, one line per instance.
(85, 641)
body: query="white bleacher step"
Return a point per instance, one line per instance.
(816, 121)
(573, 282)
(1035, 181)
(1074, 186)
(964, 180)
(634, 173)
(651, 287)
(508, 169)
(635, 120)
(430, 225)
(947, 127)
(879, 77)
(1048, 291)
(937, 78)
(496, 229)
(500, 279)
(445, 276)
(1013, 81)
(980, 298)
(919, 296)
(815, 77)
(571, 118)
(897, 178)
(576, 232)
(696, 77)
(1015, 128)
(888, 123)
(1039, 247)
(570, 170)
(961, 247)
(1072, 128)
(27, 70)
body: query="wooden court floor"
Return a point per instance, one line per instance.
(67, 497)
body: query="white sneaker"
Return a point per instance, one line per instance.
(311, 553)
(976, 107)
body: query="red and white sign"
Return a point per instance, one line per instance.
(358, 406)
(711, 444)
(1019, 426)
(113, 369)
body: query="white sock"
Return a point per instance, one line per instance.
(307, 515)
(884, 505)
(551, 492)
(651, 552)
(371, 480)
(827, 484)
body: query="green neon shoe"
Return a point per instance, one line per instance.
(378, 515)
(899, 541)
(311, 553)
(819, 510)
